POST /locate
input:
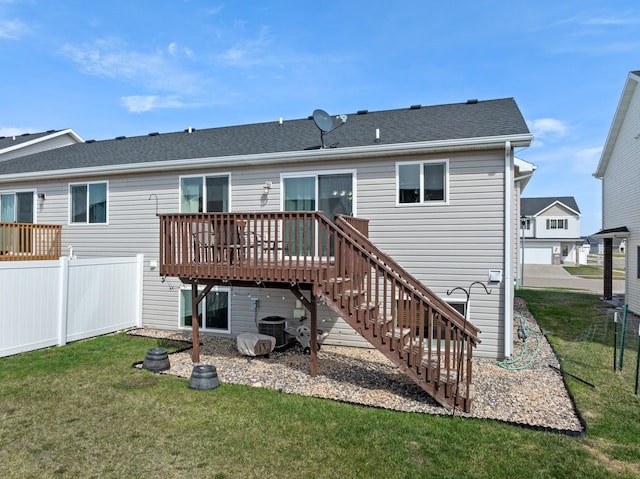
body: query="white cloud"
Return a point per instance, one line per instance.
(175, 50)
(159, 71)
(248, 52)
(12, 29)
(142, 103)
(611, 21)
(213, 11)
(548, 128)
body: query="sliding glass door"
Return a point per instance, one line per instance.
(332, 194)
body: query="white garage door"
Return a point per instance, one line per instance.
(533, 255)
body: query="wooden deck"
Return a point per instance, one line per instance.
(338, 265)
(29, 242)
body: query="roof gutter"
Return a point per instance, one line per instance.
(369, 151)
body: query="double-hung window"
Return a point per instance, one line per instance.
(88, 202)
(422, 182)
(204, 194)
(554, 224)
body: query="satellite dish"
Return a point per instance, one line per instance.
(326, 123)
(322, 120)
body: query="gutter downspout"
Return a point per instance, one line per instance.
(508, 273)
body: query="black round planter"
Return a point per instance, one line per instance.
(204, 377)
(156, 360)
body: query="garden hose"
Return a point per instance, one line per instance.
(513, 364)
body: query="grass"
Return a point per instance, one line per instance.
(589, 271)
(83, 411)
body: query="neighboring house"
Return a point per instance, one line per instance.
(29, 143)
(17, 205)
(596, 245)
(439, 185)
(551, 230)
(618, 170)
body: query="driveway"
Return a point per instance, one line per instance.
(555, 276)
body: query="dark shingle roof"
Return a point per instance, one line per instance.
(533, 206)
(442, 122)
(9, 141)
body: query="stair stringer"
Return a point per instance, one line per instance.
(415, 329)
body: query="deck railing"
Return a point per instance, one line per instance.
(27, 242)
(411, 325)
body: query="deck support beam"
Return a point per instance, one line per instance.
(196, 299)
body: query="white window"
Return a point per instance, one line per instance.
(204, 194)
(555, 224)
(88, 202)
(422, 182)
(17, 207)
(213, 310)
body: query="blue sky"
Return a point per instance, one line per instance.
(133, 67)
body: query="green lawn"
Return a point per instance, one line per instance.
(589, 271)
(82, 411)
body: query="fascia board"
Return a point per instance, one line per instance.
(557, 202)
(371, 151)
(616, 124)
(42, 139)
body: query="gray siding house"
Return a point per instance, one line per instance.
(618, 170)
(439, 186)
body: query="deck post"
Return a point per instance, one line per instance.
(314, 335)
(195, 323)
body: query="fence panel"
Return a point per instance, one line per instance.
(46, 303)
(29, 305)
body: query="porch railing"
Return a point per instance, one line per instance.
(27, 242)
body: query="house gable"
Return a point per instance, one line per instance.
(32, 143)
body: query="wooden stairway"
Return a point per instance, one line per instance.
(428, 339)
(419, 332)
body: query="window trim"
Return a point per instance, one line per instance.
(315, 174)
(554, 223)
(203, 177)
(217, 288)
(421, 164)
(70, 203)
(34, 204)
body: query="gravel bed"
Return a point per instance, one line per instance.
(534, 396)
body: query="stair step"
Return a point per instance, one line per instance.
(366, 306)
(398, 333)
(382, 321)
(351, 292)
(339, 280)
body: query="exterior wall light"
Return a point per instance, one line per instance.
(267, 187)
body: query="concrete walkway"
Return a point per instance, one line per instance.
(553, 276)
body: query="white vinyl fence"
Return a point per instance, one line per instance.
(48, 303)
